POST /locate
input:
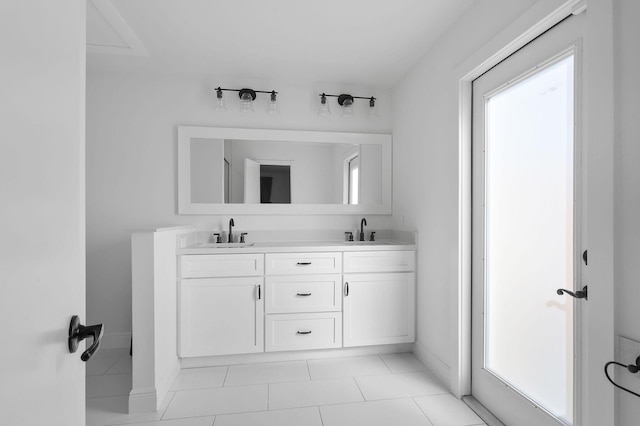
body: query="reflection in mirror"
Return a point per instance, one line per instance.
(275, 184)
(255, 171)
(251, 172)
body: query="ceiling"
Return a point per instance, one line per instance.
(368, 42)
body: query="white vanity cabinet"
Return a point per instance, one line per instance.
(270, 301)
(379, 305)
(221, 304)
(303, 301)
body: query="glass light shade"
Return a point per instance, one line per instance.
(221, 104)
(247, 103)
(373, 112)
(273, 107)
(347, 110)
(324, 110)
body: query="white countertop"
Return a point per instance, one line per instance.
(296, 246)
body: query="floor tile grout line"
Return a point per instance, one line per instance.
(308, 369)
(164, 412)
(359, 389)
(144, 422)
(320, 413)
(385, 363)
(226, 373)
(413, 398)
(205, 415)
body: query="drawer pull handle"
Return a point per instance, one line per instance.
(259, 292)
(346, 289)
(303, 332)
(304, 263)
(303, 294)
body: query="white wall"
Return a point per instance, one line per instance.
(132, 124)
(425, 164)
(627, 187)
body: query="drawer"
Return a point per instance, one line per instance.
(286, 332)
(303, 263)
(303, 293)
(379, 261)
(221, 265)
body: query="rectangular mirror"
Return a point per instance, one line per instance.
(259, 171)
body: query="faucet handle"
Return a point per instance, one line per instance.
(216, 235)
(348, 235)
(373, 236)
(242, 234)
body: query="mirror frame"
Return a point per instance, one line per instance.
(186, 133)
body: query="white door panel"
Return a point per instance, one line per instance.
(526, 230)
(42, 211)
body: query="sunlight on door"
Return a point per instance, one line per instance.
(529, 240)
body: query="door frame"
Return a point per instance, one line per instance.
(597, 346)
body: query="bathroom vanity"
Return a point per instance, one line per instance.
(271, 297)
(199, 303)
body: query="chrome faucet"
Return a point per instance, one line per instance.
(363, 222)
(231, 225)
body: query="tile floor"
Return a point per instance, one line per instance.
(373, 390)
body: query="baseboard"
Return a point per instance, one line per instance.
(292, 355)
(433, 363)
(143, 400)
(115, 341)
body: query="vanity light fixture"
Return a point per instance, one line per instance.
(346, 103)
(247, 97)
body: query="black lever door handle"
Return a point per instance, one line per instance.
(79, 332)
(580, 294)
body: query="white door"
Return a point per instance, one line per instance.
(251, 182)
(527, 234)
(42, 211)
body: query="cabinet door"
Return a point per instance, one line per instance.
(221, 316)
(378, 309)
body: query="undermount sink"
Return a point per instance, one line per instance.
(224, 245)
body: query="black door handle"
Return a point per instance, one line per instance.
(79, 332)
(580, 294)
